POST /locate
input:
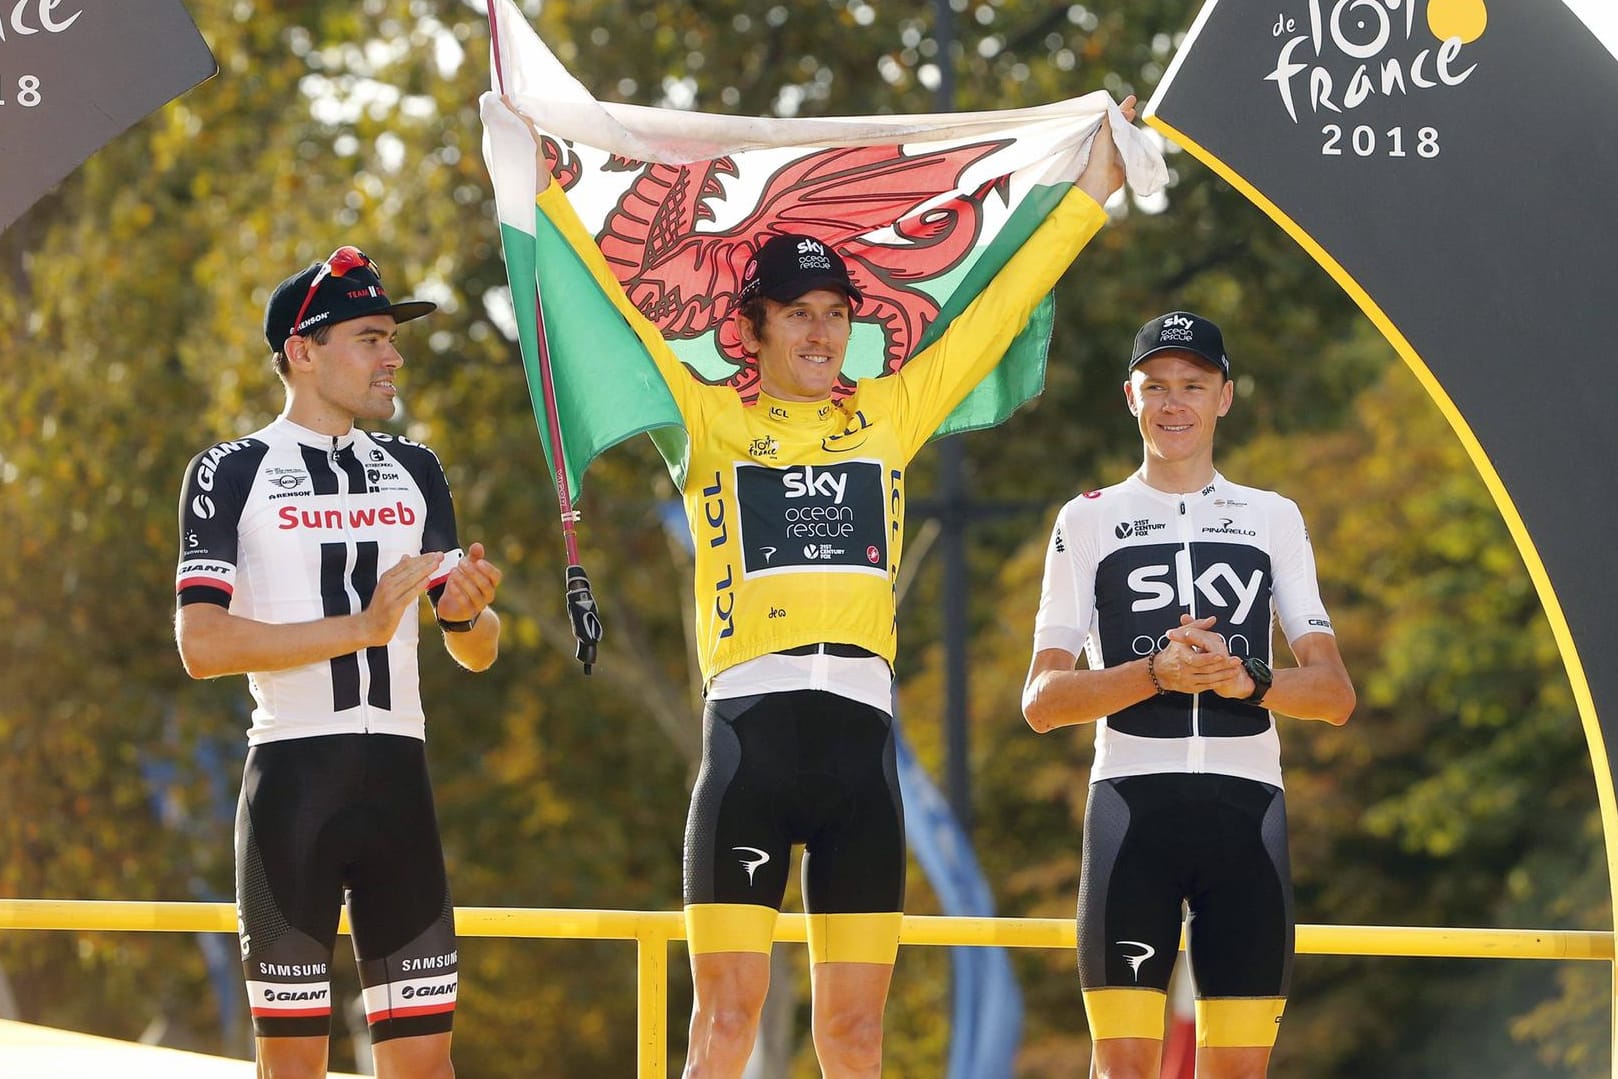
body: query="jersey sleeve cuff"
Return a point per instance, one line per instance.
(203, 593)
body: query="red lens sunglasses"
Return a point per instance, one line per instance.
(342, 260)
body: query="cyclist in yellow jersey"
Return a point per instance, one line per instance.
(796, 508)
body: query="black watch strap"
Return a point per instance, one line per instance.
(1259, 671)
(459, 627)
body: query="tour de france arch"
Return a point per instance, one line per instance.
(1449, 163)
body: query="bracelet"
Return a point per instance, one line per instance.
(1151, 671)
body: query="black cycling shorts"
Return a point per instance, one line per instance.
(321, 818)
(1217, 843)
(806, 767)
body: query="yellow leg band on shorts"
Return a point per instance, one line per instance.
(1239, 1022)
(854, 938)
(729, 927)
(1125, 1013)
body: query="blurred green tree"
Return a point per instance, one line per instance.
(130, 302)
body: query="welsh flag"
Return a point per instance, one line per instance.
(925, 209)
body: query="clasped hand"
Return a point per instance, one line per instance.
(469, 588)
(1197, 659)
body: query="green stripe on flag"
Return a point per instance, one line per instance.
(607, 388)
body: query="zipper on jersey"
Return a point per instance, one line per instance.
(1197, 750)
(353, 552)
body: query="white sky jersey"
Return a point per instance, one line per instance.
(290, 525)
(1125, 562)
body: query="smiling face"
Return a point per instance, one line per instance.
(800, 345)
(1177, 400)
(349, 377)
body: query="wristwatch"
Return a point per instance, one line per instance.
(1259, 671)
(466, 624)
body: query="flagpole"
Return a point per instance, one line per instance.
(581, 605)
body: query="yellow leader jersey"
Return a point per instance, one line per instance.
(797, 509)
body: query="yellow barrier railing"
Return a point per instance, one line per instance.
(654, 930)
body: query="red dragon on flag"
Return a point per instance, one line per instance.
(925, 210)
(685, 280)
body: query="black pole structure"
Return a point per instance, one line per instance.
(952, 516)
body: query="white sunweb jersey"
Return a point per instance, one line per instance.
(290, 525)
(1125, 562)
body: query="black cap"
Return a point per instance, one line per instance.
(1184, 332)
(789, 265)
(349, 287)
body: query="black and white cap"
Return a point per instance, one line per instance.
(789, 265)
(347, 285)
(1184, 332)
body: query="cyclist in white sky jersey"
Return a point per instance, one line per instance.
(1168, 584)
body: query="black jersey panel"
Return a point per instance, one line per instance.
(216, 487)
(438, 532)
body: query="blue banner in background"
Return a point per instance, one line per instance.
(216, 760)
(986, 1017)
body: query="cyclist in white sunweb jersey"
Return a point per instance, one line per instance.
(305, 548)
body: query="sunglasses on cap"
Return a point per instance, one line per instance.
(338, 264)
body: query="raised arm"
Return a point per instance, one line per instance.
(936, 379)
(1104, 171)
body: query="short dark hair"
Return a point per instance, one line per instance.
(320, 335)
(754, 310)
